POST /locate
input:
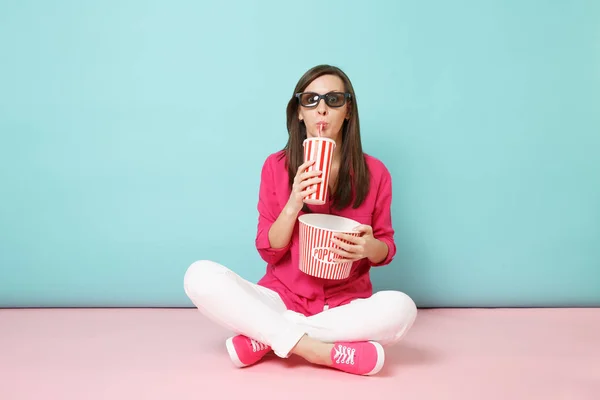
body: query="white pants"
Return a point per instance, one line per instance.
(259, 313)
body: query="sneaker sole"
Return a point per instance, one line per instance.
(233, 354)
(380, 358)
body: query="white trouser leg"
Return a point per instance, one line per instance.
(385, 318)
(245, 308)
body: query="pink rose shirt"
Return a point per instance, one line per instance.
(301, 292)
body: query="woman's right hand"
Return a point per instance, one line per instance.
(301, 187)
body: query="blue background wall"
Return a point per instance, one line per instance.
(133, 134)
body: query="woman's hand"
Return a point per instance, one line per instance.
(364, 246)
(301, 187)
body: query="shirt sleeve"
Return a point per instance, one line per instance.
(268, 211)
(382, 217)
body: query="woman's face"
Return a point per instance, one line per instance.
(329, 118)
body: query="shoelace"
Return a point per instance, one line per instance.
(344, 355)
(257, 346)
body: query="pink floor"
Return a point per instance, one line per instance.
(177, 354)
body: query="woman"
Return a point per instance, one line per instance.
(336, 323)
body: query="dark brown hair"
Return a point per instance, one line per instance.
(353, 176)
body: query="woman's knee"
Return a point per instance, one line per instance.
(399, 309)
(202, 275)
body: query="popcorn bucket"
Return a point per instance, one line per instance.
(316, 257)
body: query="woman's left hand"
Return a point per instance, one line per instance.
(359, 247)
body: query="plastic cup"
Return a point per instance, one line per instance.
(316, 257)
(321, 150)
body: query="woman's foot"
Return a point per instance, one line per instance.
(360, 358)
(244, 351)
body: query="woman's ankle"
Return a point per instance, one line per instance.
(314, 351)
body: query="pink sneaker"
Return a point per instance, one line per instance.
(360, 358)
(245, 351)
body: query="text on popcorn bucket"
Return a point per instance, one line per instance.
(324, 255)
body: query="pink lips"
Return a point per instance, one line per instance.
(322, 125)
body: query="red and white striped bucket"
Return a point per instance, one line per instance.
(319, 149)
(316, 257)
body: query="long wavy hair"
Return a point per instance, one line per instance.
(353, 176)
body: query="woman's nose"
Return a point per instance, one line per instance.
(322, 107)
